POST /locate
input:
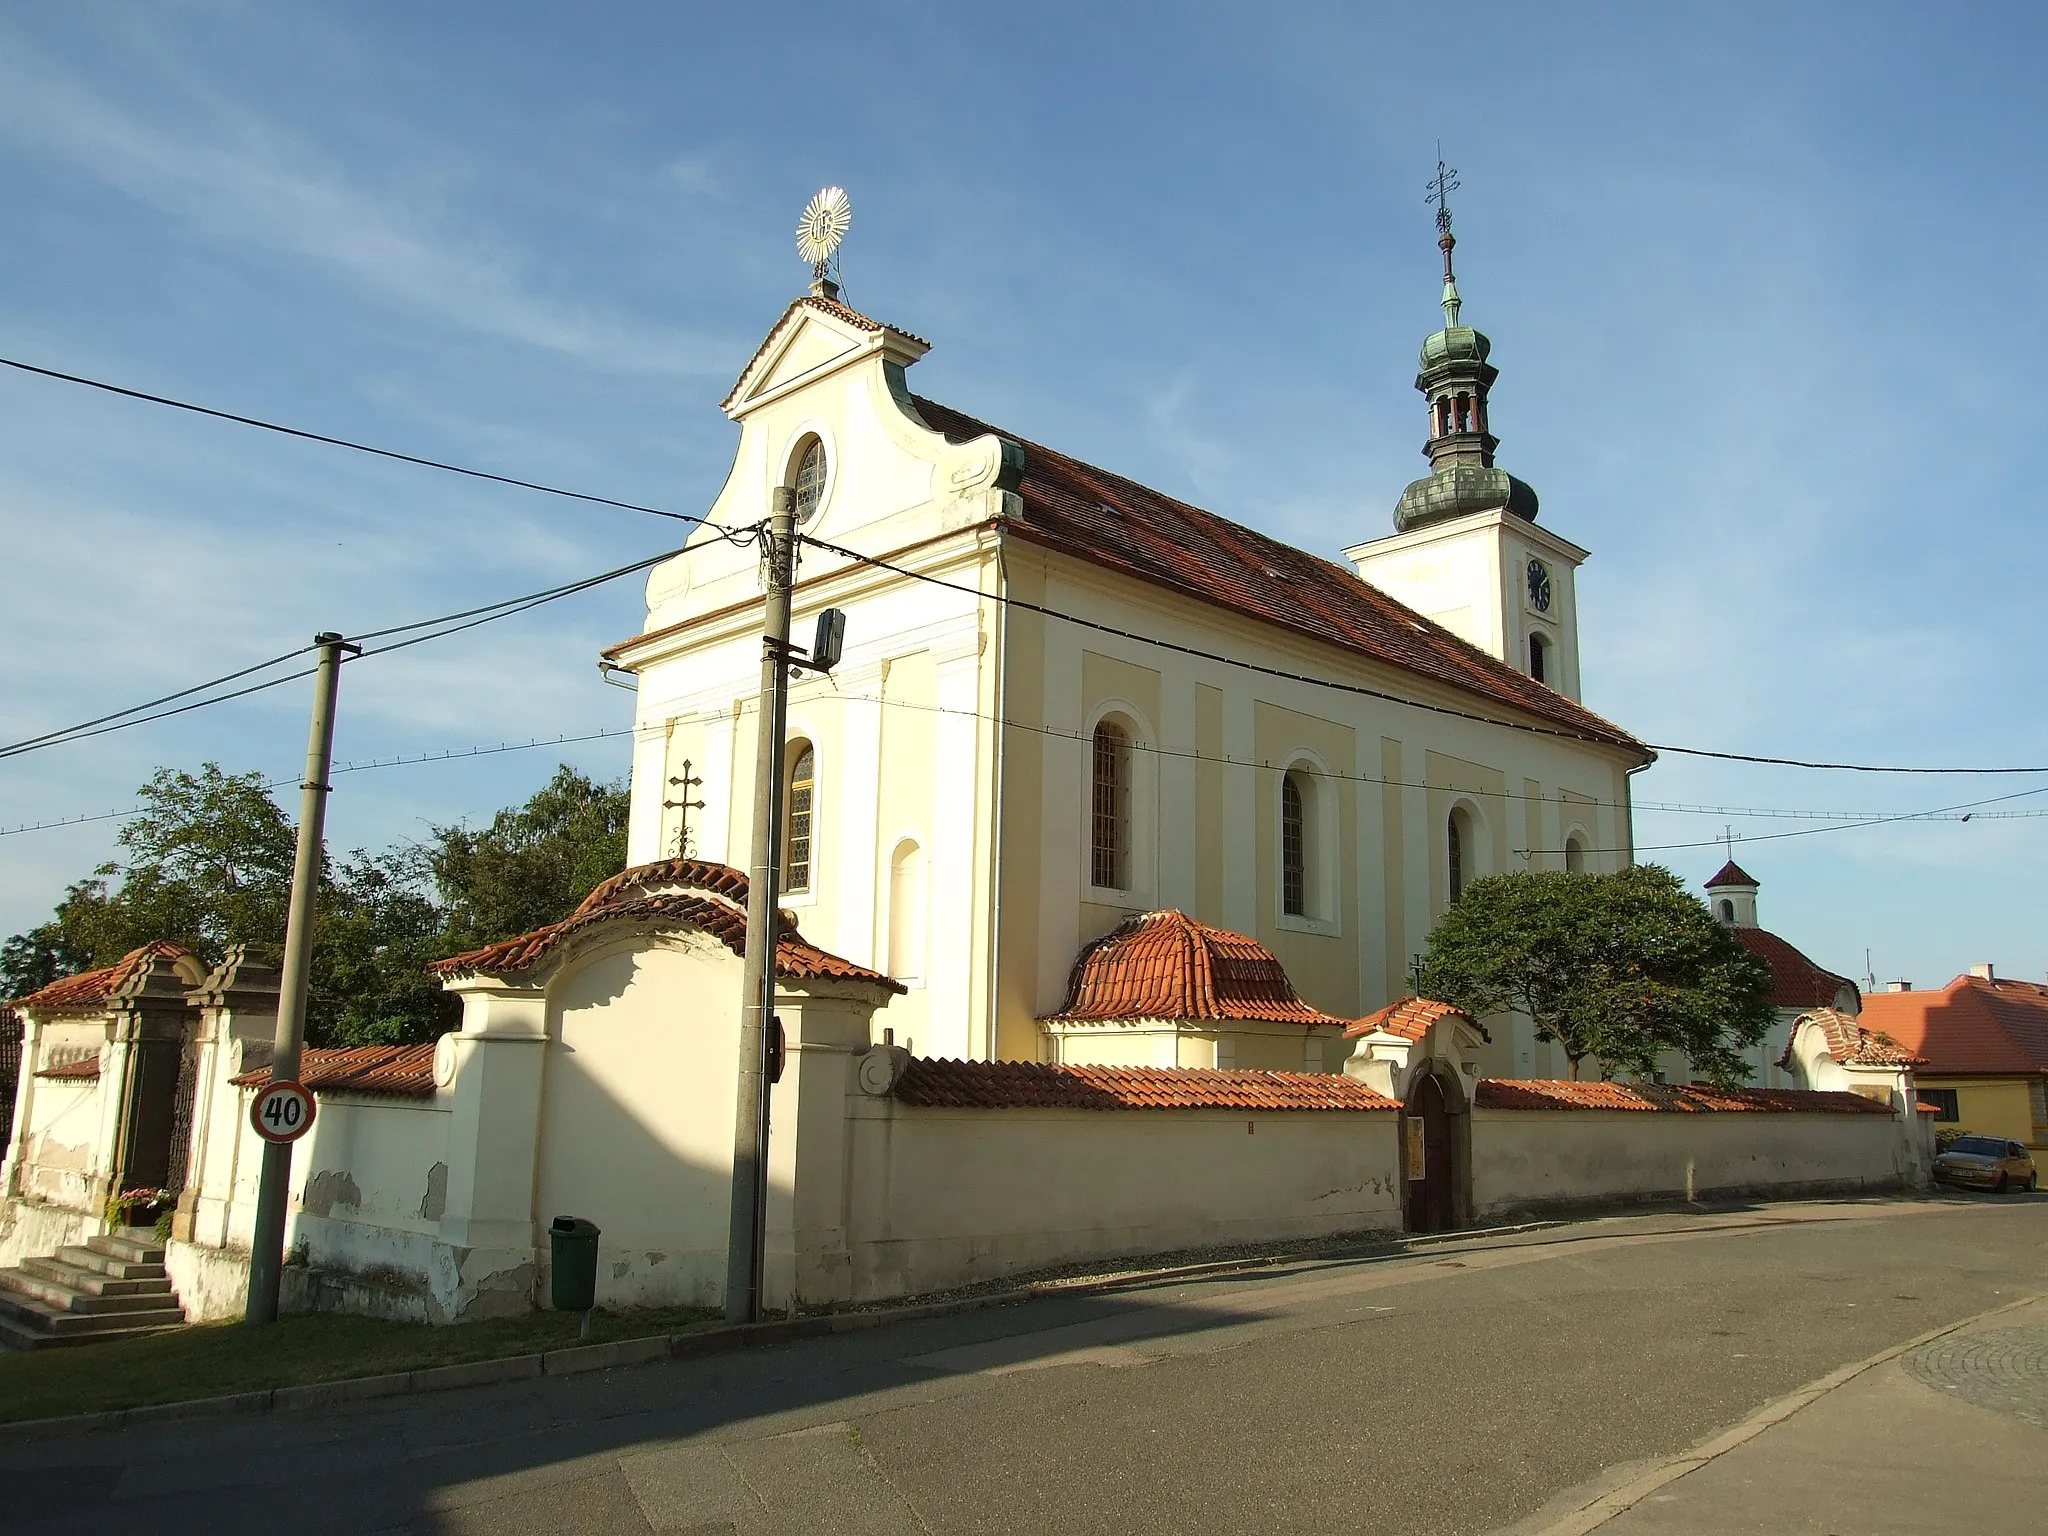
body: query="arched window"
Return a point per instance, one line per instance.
(1727, 911)
(1539, 658)
(1574, 856)
(1110, 809)
(1457, 835)
(906, 912)
(799, 824)
(810, 479)
(1293, 845)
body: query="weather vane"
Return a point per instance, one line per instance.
(1441, 187)
(818, 234)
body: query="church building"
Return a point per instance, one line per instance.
(1068, 700)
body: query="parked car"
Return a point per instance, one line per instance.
(1986, 1162)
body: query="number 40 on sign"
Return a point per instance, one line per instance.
(282, 1111)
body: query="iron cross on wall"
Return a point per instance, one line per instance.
(688, 782)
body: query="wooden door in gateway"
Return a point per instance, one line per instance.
(1427, 1126)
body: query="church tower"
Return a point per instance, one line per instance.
(1467, 550)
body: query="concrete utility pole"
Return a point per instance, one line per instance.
(747, 1234)
(266, 1248)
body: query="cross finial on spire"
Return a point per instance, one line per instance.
(1441, 186)
(1728, 838)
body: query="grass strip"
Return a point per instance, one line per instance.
(213, 1359)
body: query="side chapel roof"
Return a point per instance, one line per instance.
(1165, 965)
(1411, 1018)
(671, 893)
(1120, 525)
(1852, 1044)
(1796, 982)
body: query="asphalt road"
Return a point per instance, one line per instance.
(1457, 1390)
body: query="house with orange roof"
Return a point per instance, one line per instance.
(1984, 1041)
(1068, 699)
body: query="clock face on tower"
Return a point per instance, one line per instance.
(1539, 586)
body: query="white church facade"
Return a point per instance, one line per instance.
(1067, 699)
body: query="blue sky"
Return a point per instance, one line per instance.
(1763, 282)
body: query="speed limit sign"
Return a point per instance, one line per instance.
(282, 1111)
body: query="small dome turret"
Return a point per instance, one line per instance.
(1454, 344)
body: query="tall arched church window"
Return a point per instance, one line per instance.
(1455, 832)
(800, 820)
(1574, 856)
(810, 480)
(1293, 846)
(1110, 809)
(1539, 658)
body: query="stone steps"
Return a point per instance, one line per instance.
(112, 1286)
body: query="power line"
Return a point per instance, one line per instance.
(1840, 821)
(31, 741)
(1376, 693)
(343, 442)
(505, 608)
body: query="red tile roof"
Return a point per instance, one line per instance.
(89, 988)
(1120, 525)
(1851, 1044)
(719, 910)
(1730, 874)
(82, 1070)
(1970, 1027)
(1165, 965)
(1410, 1018)
(1796, 982)
(400, 1071)
(1039, 1085)
(1538, 1093)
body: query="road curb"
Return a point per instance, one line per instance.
(578, 1359)
(1597, 1511)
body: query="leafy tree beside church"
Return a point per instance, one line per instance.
(208, 862)
(1621, 967)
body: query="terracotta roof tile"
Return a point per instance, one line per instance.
(1851, 1044)
(1040, 1085)
(1165, 965)
(92, 987)
(716, 906)
(82, 1070)
(1796, 982)
(1969, 1027)
(1120, 525)
(1730, 874)
(1696, 1098)
(1410, 1018)
(401, 1071)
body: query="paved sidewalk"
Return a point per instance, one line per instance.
(1949, 1436)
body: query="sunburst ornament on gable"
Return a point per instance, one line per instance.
(818, 233)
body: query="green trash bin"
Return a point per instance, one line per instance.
(572, 1264)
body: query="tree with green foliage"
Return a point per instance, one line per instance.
(208, 862)
(532, 864)
(1621, 967)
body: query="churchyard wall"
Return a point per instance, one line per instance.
(1528, 1162)
(938, 1198)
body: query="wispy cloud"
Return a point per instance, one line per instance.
(237, 179)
